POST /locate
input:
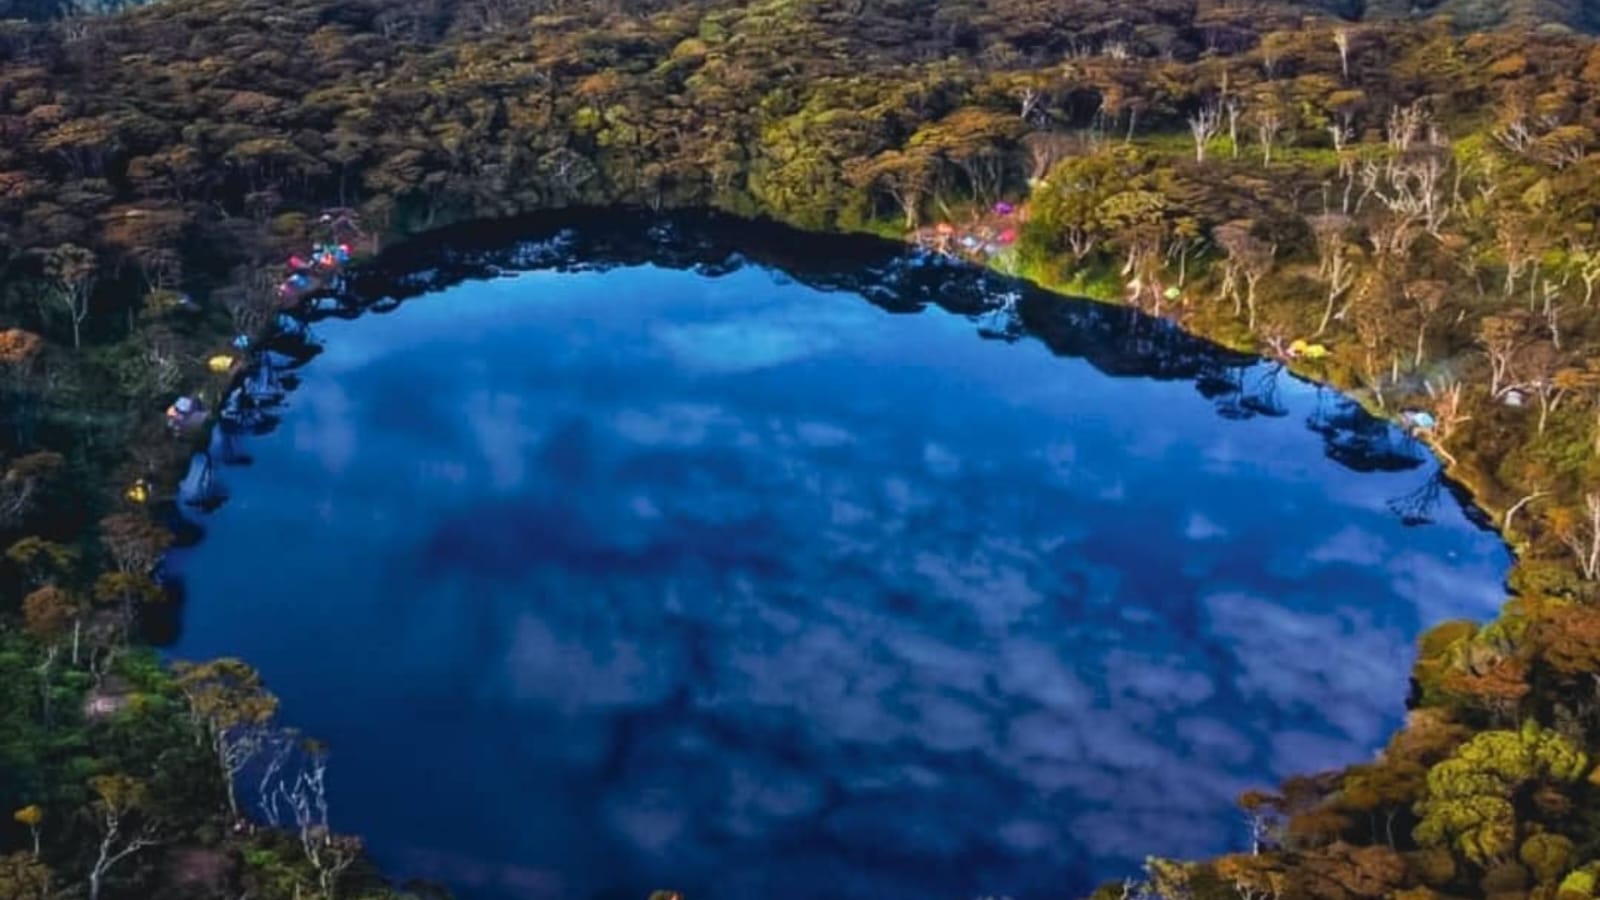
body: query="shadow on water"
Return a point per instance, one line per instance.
(1118, 341)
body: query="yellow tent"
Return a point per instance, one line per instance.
(1300, 348)
(138, 492)
(220, 363)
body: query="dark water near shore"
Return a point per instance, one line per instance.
(604, 578)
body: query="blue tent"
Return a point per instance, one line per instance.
(1420, 419)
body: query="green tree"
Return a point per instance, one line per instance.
(904, 176)
(72, 269)
(976, 142)
(1471, 798)
(135, 543)
(119, 814)
(1546, 855)
(24, 877)
(41, 560)
(50, 615)
(127, 592)
(31, 817)
(1069, 208)
(1138, 228)
(24, 481)
(231, 708)
(1249, 258)
(1382, 791)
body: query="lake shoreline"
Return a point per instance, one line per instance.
(462, 257)
(400, 243)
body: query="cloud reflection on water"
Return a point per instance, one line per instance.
(757, 599)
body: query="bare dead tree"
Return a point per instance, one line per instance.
(1586, 261)
(1521, 242)
(1335, 265)
(1582, 537)
(1448, 412)
(1406, 125)
(1427, 296)
(1030, 98)
(1502, 338)
(1247, 256)
(1393, 235)
(1505, 523)
(1515, 135)
(1347, 171)
(1539, 366)
(1181, 247)
(1373, 322)
(280, 749)
(1269, 124)
(1204, 125)
(1045, 149)
(1564, 146)
(72, 269)
(306, 798)
(124, 829)
(1341, 133)
(339, 852)
(1419, 181)
(1411, 185)
(105, 635)
(1551, 310)
(22, 483)
(1234, 110)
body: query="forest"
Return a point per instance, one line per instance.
(1404, 207)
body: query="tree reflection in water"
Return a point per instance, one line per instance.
(1119, 341)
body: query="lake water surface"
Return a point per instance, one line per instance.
(602, 578)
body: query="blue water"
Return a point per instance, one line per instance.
(602, 581)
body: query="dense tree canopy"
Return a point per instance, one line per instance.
(1405, 210)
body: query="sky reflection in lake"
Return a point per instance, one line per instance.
(603, 581)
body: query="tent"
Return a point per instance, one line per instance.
(1419, 419)
(1302, 349)
(185, 412)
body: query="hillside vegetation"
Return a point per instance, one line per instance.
(1554, 16)
(1418, 201)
